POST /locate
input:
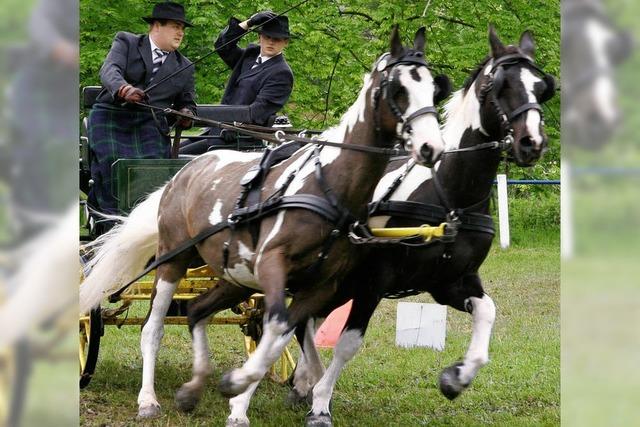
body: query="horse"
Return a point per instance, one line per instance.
(299, 246)
(498, 107)
(594, 47)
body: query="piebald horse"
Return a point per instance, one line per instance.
(498, 107)
(284, 251)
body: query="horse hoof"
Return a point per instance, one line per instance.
(227, 388)
(237, 422)
(295, 399)
(148, 412)
(186, 399)
(322, 420)
(450, 384)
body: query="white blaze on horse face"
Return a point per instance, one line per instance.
(461, 112)
(603, 93)
(534, 120)
(426, 129)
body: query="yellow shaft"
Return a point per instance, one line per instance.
(427, 232)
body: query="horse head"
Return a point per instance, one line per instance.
(405, 96)
(593, 47)
(510, 90)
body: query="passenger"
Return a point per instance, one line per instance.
(261, 80)
(118, 128)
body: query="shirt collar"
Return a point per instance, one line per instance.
(266, 58)
(155, 46)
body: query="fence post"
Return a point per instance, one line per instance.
(503, 211)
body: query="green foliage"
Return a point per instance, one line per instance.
(347, 36)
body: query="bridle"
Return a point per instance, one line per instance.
(403, 127)
(490, 90)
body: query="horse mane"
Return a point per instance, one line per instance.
(474, 74)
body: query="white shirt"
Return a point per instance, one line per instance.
(153, 53)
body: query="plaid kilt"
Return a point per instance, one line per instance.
(116, 133)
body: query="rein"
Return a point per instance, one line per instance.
(279, 136)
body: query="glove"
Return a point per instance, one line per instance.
(131, 94)
(260, 18)
(184, 122)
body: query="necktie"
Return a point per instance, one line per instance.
(157, 62)
(258, 62)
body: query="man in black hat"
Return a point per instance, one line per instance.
(118, 128)
(261, 80)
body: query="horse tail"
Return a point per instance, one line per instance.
(121, 253)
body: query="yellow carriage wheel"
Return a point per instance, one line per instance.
(283, 368)
(91, 329)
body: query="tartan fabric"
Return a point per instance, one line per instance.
(115, 134)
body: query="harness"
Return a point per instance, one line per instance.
(450, 218)
(248, 209)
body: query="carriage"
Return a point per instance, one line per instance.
(135, 179)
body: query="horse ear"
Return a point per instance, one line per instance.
(443, 88)
(419, 40)
(526, 44)
(396, 44)
(497, 47)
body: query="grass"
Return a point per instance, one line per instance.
(384, 385)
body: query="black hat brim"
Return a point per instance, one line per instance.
(275, 34)
(150, 19)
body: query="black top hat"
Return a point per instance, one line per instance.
(168, 10)
(277, 28)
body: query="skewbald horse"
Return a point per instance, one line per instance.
(500, 101)
(287, 250)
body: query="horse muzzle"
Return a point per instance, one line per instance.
(527, 152)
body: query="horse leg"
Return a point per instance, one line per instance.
(309, 368)
(348, 344)
(224, 295)
(470, 297)
(240, 404)
(167, 278)
(277, 332)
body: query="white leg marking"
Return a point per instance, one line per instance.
(348, 344)
(240, 404)
(150, 342)
(484, 314)
(274, 340)
(201, 354)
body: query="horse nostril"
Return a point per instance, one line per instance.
(426, 151)
(526, 142)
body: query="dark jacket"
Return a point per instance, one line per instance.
(266, 88)
(130, 61)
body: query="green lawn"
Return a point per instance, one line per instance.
(384, 385)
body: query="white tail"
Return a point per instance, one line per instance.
(122, 253)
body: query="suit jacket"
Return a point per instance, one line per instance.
(265, 88)
(130, 61)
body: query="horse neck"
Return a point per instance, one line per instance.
(467, 177)
(354, 174)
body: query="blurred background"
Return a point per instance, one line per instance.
(600, 213)
(39, 81)
(38, 212)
